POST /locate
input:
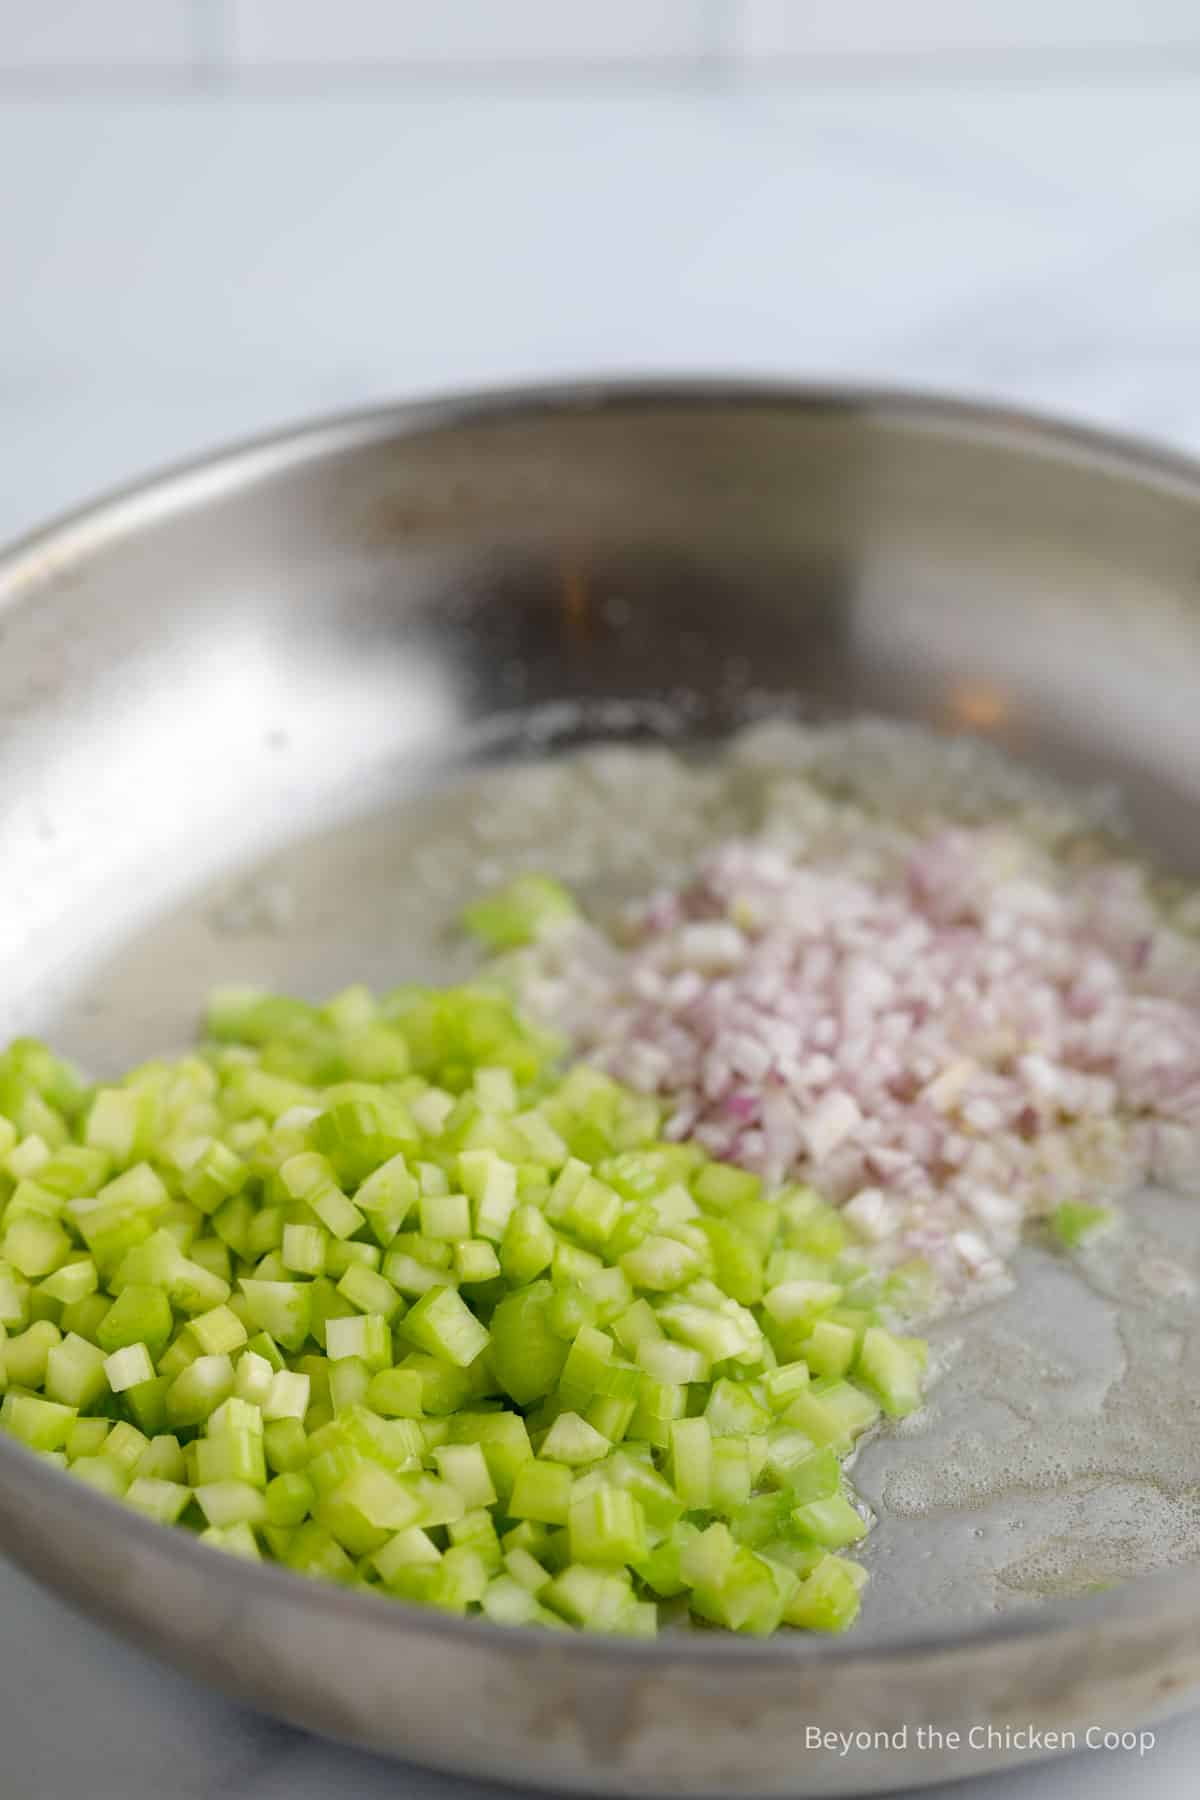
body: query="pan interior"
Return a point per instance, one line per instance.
(1059, 1453)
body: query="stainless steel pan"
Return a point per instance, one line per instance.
(258, 674)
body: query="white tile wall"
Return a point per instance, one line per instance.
(318, 32)
(40, 35)
(797, 28)
(229, 38)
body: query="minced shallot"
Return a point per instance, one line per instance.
(946, 1031)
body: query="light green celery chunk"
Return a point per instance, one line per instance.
(218, 1331)
(831, 1522)
(199, 1390)
(828, 1599)
(231, 1503)
(139, 1315)
(161, 1500)
(520, 912)
(72, 1282)
(288, 1396)
(75, 1372)
(691, 1462)
(574, 1441)
(39, 1424)
(35, 1246)
(365, 1336)
(1073, 1223)
(26, 1353)
(126, 1368)
(893, 1368)
(87, 1437)
(465, 1468)
(442, 1323)
(542, 1492)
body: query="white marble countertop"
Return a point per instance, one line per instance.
(178, 271)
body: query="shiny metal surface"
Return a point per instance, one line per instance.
(224, 667)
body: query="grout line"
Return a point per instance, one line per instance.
(212, 70)
(212, 42)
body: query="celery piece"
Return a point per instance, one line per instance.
(846, 1402)
(125, 1368)
(596, 1599)
(158, 1499)
(253, 1375)
(72, 1282)
(75, 1372)
(830, 1349)
(475, 1262)
(720, 1187)
(289, 1498)
(520, 912)
(1074, 1223)
(411, 1548)
(660, 1264)
(396, 1393)
(445, 1216)
(388, 1195)
(284, 1308)
(831, 1522)
(892, 1369)
(827, 1599)
(139, 1315)
(87, 1437)
(444, 1325)
(816, 1475)
(527, 1357)
(161, 1460)
(125, 1446)
(573, 1441)
(370, 1292)
(231, 1503)
(490, 1184)
(285, 1445)
(33, 1246)
(104, 1476)
(26, 1353)
(606, 1527)
(199, 1390)
(691, 1462)
(287, 1397)
(465, 1468)
(218, 1331)
(541, 1491)
(39, 1424)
